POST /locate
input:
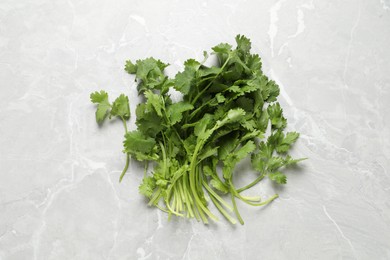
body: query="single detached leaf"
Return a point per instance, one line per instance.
(101, 99)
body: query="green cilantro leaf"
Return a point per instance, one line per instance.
(148, 122)
(130, 67)
(121, 108)
(135, 141)
(222, 51)
(232, 116)
(184, 80)
(175, 111)
(275, 113)
(278, 177)
(150, 71)
(254, 63)
(285, 144)
(243, 44)
(233, 158)
(101, 99)
(147, 186)
(153, 102)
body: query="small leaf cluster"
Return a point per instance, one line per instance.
(195, 144)
(119, 108)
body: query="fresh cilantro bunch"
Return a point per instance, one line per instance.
(195, 144)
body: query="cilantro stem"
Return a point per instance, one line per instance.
(215, 195)
(236, 210)
(176, 195)
(236, 194)
(188, 198)
(222, 210)
(253, 183)
(173, 211)
(193, 183)
(155, 198)
(126, 167)
(146, 166)
(175, 201)
(124, 124)
(165, 170)
(127, 155)
(162, 209)
(180, 188)
(266, 201)
(206, 78)
(198, 210)
(252, 198)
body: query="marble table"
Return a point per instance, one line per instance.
(59, 192)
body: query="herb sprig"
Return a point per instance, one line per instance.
(196, 143)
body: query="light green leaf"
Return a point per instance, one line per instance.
(154, 102)
(120, 107)
(147, 186)
(101, 99)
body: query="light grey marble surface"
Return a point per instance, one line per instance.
(59, 191)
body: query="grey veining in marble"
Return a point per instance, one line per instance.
(59, 191)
